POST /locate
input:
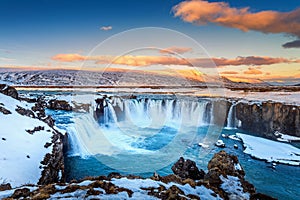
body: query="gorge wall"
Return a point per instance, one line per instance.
(268, 117)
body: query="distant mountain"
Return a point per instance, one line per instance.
(92, 78)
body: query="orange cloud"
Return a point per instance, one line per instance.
(146, 60)
(175, 50)
(252, 60)
(229, 72)
(253, 71)
(106, 28)
(202, 12)
(68, 57)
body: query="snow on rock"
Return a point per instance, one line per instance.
(286, 138)
(21, 152)
(233, 187)
(136, 184)
(271, 151)
(7, 193)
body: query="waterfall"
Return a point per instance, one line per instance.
(231, 118)
(135, 125)
(156, 112)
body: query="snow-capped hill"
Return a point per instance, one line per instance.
(24, 142)
(90, 78)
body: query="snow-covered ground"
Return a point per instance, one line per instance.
(21, 152)
(271, 151)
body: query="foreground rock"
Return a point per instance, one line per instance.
(224, 180)
(187, 169)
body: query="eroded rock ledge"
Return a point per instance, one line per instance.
(224, 180)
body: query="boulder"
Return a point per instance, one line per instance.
(5, 186)
(187, 169)
(55, 104)
(4, 111)
(9, 91)
(21, 193)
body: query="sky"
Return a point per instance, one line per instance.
(245, 40)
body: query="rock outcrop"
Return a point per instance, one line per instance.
(9, 91)
(53, 164)
(55, 104)
(268, 117)
(223, 165)
(187, 169)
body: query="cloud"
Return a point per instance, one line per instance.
(106, 28)
(252, 60)
(293, 44)
(229, 72)
(253, 71)
(68, 57)
(202, 12)
(175, 50)
(146, 60)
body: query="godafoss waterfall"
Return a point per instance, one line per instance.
(145, 133)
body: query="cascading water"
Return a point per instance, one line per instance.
(141, 129)
(231, 118)
(155, 112)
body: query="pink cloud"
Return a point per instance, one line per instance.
(202, 12)
(145, 60)
(68, 57)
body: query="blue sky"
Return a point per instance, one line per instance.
(34, 31)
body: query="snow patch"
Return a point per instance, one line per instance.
(233, 187)
(271, 151)
(21, 152)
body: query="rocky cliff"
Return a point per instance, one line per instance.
(265, 118)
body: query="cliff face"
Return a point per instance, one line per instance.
(266, 118)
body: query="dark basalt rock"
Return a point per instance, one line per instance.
(5, 186)
(53, 169)
(59, 105)
(4, 111)
(19, 193)
(25, 112)
(9, 91)
(37, 128)
(269, 117)
(187, 169)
